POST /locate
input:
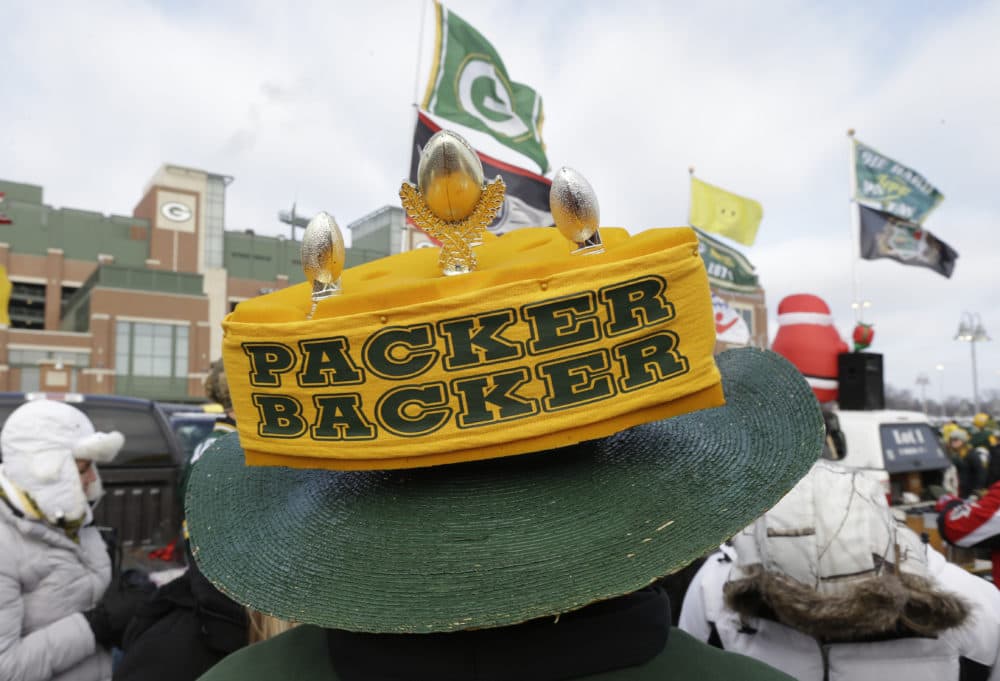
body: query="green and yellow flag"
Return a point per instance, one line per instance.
(895, 188)
(469, 86)
(716, 210)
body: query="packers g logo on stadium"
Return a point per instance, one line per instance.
(486, 95)
(173, 210)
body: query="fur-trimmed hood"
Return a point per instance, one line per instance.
(831, 561)
(884, 605)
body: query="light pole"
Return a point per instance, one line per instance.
(859, 309)
(940, 370)
(293, 220)
(970, 329)
(922, 381)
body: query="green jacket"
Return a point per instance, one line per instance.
(302, 654)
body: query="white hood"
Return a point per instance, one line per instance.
(39, 443)
(833, 529)
(831, 561)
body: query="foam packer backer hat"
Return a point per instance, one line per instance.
(428, 453)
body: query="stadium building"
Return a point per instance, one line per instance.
(133, 305)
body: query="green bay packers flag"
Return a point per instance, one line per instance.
(884, 235)
(895, 188)
(469, 86)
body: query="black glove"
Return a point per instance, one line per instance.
(100, 623)
(109, 618)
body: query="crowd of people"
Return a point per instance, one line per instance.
(971, 519)
(826, 584)
(541, 566)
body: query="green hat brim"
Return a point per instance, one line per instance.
(498, 542)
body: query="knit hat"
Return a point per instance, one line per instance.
(958, 434)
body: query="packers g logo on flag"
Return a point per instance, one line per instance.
(484, 93)
(469, 85)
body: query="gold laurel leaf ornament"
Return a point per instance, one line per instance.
(452, 202)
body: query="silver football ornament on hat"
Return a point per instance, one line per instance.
(322, 258)
(452, 202)
(576, 212)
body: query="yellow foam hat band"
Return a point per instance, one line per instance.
(536, 349)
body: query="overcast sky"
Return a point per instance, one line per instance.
(312, 102)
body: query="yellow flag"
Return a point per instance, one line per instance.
(725, 213)
(5, 287)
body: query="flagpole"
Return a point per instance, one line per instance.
(690, 177)
(420, 56)
(855, 230)
(408, 230)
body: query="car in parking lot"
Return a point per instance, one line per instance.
(191, 423)
(899, 448)
(141, 500)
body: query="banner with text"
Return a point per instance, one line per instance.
(727, 268)
(896, 188)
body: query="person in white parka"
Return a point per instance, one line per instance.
(828, 586)
(54, 565)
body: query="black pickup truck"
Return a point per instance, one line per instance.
(141, 500)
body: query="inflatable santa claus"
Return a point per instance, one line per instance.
(808, 339)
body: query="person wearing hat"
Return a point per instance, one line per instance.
(828, 585)
(474, 464)
(970, 465)
(58, 619)
(188, 613)
(957, 440)
(982, 430)
(993, 457)
(946, 429)
(217, 390)
(985, 445)
(973, 523)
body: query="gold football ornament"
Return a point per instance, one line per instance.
(576, 212)
(452, 202)
(322, 258)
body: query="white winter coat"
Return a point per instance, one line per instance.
(801, 656)
(46, 582)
